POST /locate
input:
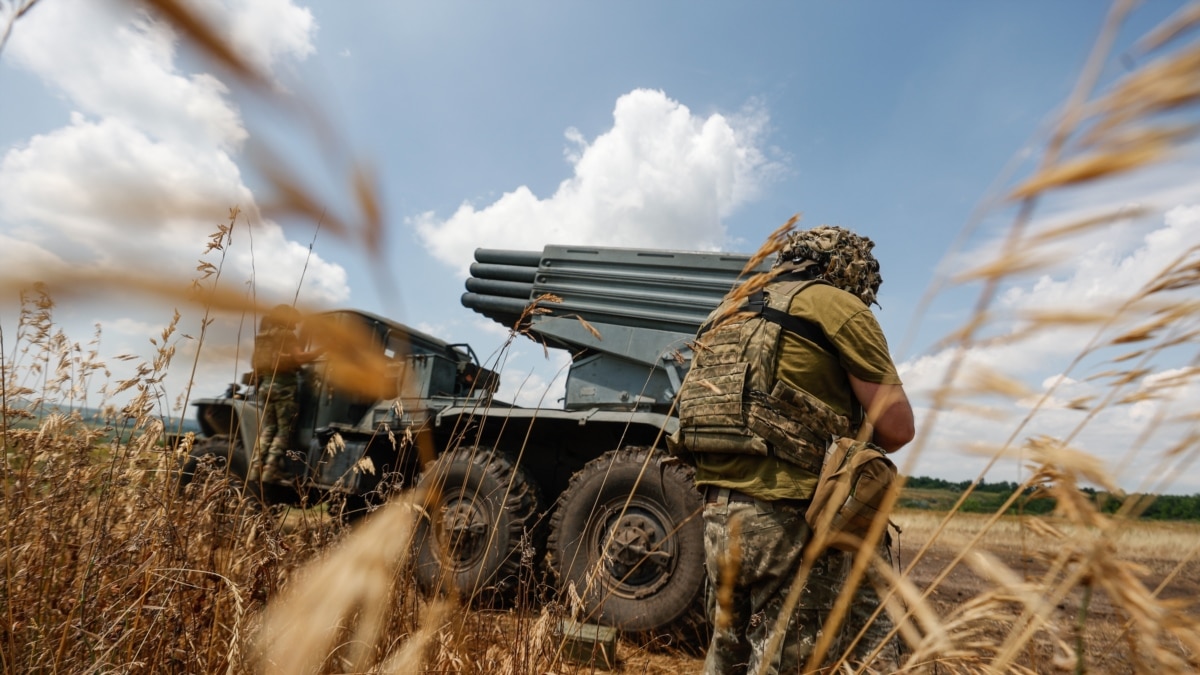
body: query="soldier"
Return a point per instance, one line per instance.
(276, 361)
(798, 363)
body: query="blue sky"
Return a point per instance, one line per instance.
(685, 125)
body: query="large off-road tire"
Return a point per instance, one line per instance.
(628, 535)
(478, 536)
(213, 453)
(351, 509)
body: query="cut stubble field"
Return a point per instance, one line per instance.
(1166, 553)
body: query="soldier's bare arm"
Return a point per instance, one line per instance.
(888, 410)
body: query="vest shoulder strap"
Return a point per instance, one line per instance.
(806, 329)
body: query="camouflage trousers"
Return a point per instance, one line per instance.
(276, 426)
(866, 601)
(753, 553)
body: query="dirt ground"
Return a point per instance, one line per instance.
(1091, 620)
(1105, 640)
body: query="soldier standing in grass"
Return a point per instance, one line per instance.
(796, 364)
(276, 361)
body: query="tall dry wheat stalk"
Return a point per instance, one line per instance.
(105, 567)
(1100, 136)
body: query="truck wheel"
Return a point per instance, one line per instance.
(628, 534)
(479, 529)
(223, 457)
(352, 508)
(230, 463)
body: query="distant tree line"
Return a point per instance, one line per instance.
(938, 494)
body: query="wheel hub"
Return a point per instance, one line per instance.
(635, 556)
(466, 532)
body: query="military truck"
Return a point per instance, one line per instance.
(584, 490)
(351, 442)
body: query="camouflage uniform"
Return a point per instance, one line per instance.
(278, 393)
(758, 537)
(765, 556)
(764, 549)
(866, 600)
(277, 386)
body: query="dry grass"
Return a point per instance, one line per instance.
(104, 567)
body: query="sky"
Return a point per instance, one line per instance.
(676, 125)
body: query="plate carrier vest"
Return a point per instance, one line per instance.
(732, 401)
(268, 358)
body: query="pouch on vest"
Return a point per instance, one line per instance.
(711, 416)
(265, 357)
(850, 492)
(797, 424)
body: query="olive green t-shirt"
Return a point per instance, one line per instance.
(862, 351)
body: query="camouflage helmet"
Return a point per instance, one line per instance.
(284, 316)
(838, 256)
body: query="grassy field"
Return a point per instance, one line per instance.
(1085, 617)
(929, 499)
(106, 568)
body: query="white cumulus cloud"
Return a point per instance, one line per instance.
(113, 61)
(268, 33)
(661, 177)
(1132, 433)
(147, 165)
